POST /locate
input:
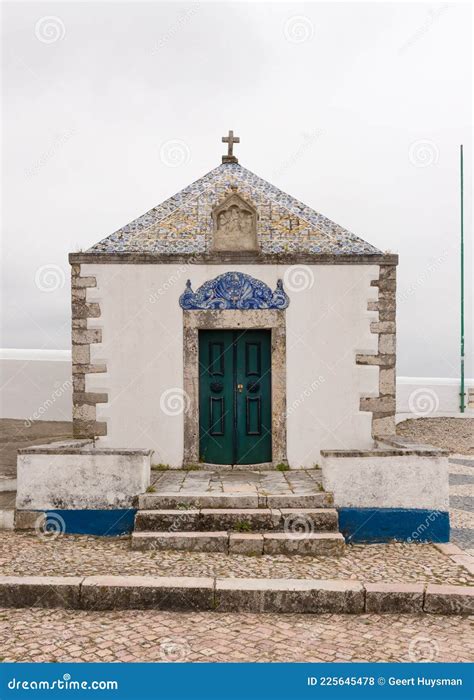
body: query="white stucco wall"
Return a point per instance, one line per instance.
(86, 479)
(327, 324)
(403, 481)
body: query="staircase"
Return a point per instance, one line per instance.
(252, 513)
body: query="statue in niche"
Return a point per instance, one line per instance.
(235, 225)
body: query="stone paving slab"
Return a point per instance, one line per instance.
(242, 482)
(25, 553)
(39, 635)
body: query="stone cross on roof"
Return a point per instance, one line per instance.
(230, 140)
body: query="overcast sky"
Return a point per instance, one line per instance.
(357, 109)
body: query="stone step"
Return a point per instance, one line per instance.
(237, 519)
(198, 500)
(309, 544)
(260, 595)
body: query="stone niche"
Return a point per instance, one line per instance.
(235, 225)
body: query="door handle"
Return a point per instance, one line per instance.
(240, 388)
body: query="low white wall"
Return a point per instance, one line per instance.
(55, 477)
(407, 480)
(36, 384)
(423, 397)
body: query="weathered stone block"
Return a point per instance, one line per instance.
(85, 337)
(29, 519)
(85, 429)
(78, 282)
(381, 360)
(88, 369)
(387, 314)
(84, 310)
(383, 426)
(85, 412)
(236, 518)
(382, 404)
(387, 272)
(394, 597)
(147, 592)
(78, 294)
(182, 541)
(387, 343)
(305, 544)
(449, 600)
(89, 397)
(250, 544)
(171, 520)
(198, 500)
(78, 382)
(310, 500)
(387, 381)
(39, 591)
(383, 327)
(79, 323)
(289, 596)
(81, 354)
(316, 519)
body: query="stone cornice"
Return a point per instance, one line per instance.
(223, 258)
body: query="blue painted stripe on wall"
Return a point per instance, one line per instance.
(108, 523)
(386, 524)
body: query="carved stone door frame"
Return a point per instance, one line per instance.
(231, 319)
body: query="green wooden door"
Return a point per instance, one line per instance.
(235, 397)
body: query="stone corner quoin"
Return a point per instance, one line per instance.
(84, 416)
(383, 406)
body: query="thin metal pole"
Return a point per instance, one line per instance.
(462, 405)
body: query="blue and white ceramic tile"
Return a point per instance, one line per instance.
(184, 224)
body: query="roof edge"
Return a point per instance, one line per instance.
(236, 258)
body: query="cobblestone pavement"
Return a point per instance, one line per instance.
(453, 434)
(29, 554)
(461, 501)
(71, 636)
